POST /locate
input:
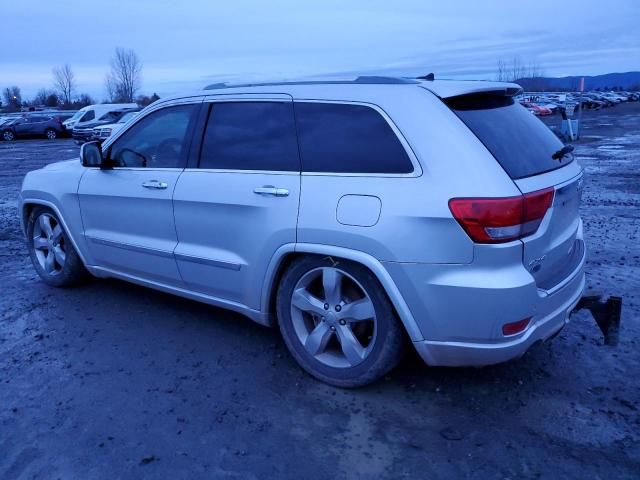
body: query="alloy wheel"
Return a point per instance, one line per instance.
(334, 318)
(49, 245)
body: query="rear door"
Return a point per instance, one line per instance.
(39, 125)
(240, 203)
(525, 147)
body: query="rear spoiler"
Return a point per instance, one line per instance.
(451, 88)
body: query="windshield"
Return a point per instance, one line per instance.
(521, 143)
(78, 114)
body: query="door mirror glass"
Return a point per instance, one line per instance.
(91, 154)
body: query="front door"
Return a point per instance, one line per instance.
(127, 211)
(241, 203)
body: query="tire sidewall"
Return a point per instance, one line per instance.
(369, 369)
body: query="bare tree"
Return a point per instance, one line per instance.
(12, 98)
(517, 69)
(83, 100)
(45, 97)
(123, 80)
(502, 75)
(528, 74)
(64, 82)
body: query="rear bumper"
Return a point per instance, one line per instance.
(458, 354)
(461, 309)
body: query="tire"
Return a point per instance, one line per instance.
(52, 253)
(313, 316)
(8, 135)
(51, 134)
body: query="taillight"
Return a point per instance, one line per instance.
(500, 220)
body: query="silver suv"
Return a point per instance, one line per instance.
(355, 215)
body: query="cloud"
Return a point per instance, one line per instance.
(184, 45)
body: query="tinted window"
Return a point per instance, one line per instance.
(250, 136)
(90, 115)
(157, 141)
(348, 139)
(110, 116)
(521, 143)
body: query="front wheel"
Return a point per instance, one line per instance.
(51, 134)
(337, 321)
(52, 253)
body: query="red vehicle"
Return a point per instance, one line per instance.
(536, 109)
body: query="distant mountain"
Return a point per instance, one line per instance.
(609, 81)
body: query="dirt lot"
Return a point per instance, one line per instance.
(115, 381)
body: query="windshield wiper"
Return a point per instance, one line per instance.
(562, 152)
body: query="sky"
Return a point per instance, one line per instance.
(187, 44)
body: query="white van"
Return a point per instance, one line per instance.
(91, 113)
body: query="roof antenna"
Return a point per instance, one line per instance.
(429, 77)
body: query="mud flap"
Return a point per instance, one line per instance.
(605, 313)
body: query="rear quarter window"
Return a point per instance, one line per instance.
(346, 138)
(521, 143)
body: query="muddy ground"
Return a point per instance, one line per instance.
(114, 381)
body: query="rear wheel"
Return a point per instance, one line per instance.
(337, 322)
(51, 251)
(8, 135)
(51, 134)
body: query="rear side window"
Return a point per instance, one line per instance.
(344, 138)
(521, 143)
(250, 136)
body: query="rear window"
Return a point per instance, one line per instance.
(345, 138)
(521, 143)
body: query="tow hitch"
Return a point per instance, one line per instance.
(606, 314)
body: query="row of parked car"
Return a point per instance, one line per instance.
(94, 122)
(548, 103)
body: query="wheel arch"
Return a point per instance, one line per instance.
(27, 206)
(288, 253)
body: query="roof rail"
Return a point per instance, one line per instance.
(362, 79)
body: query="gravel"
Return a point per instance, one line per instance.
(111, 380)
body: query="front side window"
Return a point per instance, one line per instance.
(157, 141)
(250, 136)
(346, 138)
(90, 115)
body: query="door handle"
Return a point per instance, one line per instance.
(272, 191)
(155, 184)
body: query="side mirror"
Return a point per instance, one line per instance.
(91, 155)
